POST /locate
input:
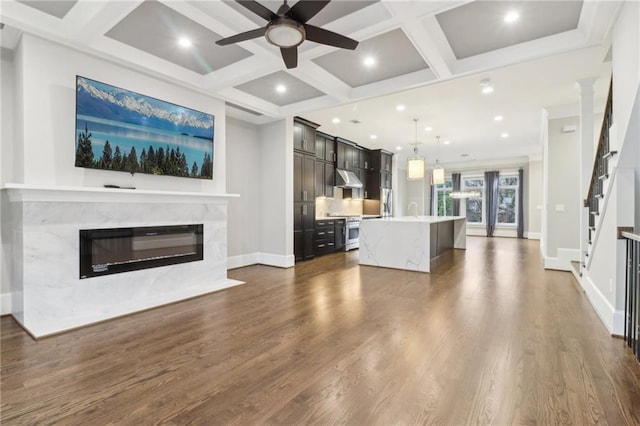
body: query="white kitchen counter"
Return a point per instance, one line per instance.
(410, 242)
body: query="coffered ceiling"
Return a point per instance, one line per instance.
(411, 45)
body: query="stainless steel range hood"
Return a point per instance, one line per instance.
(347, 179)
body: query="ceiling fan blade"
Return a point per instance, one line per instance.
(306, 9)
(248, 35)
(322, 36)
(258, 9)
(290, 56)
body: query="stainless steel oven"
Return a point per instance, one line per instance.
(352, 233)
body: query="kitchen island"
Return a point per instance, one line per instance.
(410, 242)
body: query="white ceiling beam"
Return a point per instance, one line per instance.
(597, 18)
(248, 101)
(242, 71)
(547, 46)
(435, 51)
(393, 85)
(318, 77)
(89, 20)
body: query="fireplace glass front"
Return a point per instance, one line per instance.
(115, 250)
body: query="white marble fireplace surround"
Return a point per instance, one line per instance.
(47, 294)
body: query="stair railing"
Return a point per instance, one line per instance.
(600, 167)
(632, 293)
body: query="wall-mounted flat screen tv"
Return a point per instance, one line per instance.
(117, 129)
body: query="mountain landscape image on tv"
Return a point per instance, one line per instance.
(117, 129)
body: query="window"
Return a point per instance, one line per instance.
(475, 206)
(507, 200)
(444, 202)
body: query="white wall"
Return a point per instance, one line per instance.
(626, 64)
(535, 199)
(563, 188)
(48, 103)
(7, 83)
(244, 176)
(276, 186)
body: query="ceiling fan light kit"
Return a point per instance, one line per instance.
(288, 28)
(286, 33)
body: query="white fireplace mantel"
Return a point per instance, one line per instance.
(80, 194)
(43, 224)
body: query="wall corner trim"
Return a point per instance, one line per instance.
(269, 259)
(5, 303)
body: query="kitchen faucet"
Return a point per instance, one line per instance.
(414, 204)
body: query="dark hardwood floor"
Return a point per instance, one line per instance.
(488, 338)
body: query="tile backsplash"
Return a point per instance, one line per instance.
(335, 206)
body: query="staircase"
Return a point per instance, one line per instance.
(603, 170)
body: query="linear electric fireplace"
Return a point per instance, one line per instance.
(115, 250)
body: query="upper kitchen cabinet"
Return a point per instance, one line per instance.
(365, 159)
(304, 135)
(325, 147)
(347, 155)
(381, 160)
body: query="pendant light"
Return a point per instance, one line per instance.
(437, 176)
(415, 164)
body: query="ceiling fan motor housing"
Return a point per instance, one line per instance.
(285, 32)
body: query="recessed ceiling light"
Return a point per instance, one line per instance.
(369, 61)
(336, 120)
(374, 136)
(281, 88)
(486, 86)
(505, 135)
(447, 142)
(400, 108)
(398, 148)
(184, 42)
(511, 17)
(498, 118)
(428, 129)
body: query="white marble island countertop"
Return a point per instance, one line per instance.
(423, 219)
(410, 242)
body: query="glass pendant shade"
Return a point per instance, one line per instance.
(437, 177)
(415, 168)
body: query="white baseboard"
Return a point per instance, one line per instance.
(563, 261)
(242, 260)
(477, 231)
(5, 303)
(280, 261)
(613, 320)
(532, 235)
(618, 323)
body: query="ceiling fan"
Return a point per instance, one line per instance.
(288, 28)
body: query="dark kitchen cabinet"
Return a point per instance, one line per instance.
(304, 170)
(347, 155)
(363, 175)
(325, 242)
(325, 179)
(340, 235)
(304, 135)
(304, 215)
(381, 160)
(303, 177)
(380, 175)
(325, 147)
(365, 159)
